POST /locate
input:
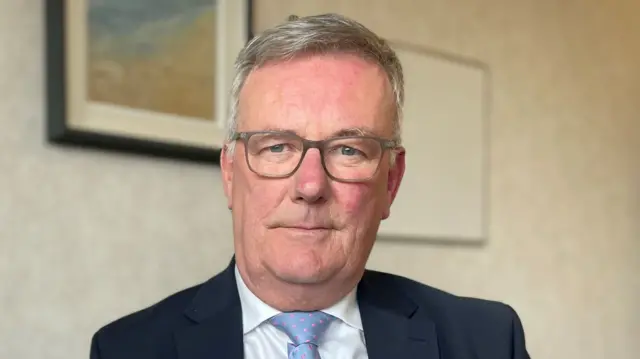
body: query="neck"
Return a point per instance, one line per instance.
(287, 297)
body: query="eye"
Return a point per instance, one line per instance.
(276, 148)
(348, 151)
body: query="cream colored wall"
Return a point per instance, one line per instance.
(88, 236)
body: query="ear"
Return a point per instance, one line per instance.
(226, 168)
(396, 172)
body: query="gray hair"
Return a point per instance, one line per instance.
(316, 34)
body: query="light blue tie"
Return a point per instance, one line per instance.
(305, 330)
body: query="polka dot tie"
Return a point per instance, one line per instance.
(305, 330)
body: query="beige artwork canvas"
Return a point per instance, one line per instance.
(147, 76)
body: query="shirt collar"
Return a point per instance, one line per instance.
(347, 310)
(255, 311)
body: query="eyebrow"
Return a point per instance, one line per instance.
(354, 131)
(347, 132)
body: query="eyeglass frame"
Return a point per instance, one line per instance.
(385, 144)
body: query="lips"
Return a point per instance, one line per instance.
(319, 225)
(307, 228)
(304, 231)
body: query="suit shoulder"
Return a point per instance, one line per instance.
(165, 309)
(445, 301)
(145, 326)
(493, 328)
(474, 314)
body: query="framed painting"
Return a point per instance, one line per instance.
(145, 76)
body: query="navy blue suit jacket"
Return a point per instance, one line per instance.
(401, 319)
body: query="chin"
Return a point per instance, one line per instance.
(304, 277)
(307, 268)
(303, 236)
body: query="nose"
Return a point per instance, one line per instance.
(311, 184)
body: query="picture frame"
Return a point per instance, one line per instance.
(146, 80)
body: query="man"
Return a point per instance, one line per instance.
(312, 164)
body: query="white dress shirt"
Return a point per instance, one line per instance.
(344, 338)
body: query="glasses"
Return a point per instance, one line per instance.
(277, 154)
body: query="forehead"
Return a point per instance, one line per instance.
(317, 96)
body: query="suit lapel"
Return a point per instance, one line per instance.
(394, 326)
(217, 312)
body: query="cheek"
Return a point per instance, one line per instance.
(356, 200)
(256, 198)
(262, 198)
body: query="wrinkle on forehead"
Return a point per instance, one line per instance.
(318, 94)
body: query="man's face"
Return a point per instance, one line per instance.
(316, 98)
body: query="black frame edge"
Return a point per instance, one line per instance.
(57, 131)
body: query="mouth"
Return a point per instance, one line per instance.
(306, 230)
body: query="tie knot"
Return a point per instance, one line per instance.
(302, 327)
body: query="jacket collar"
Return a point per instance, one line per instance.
(218, 316)
(394, 325)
